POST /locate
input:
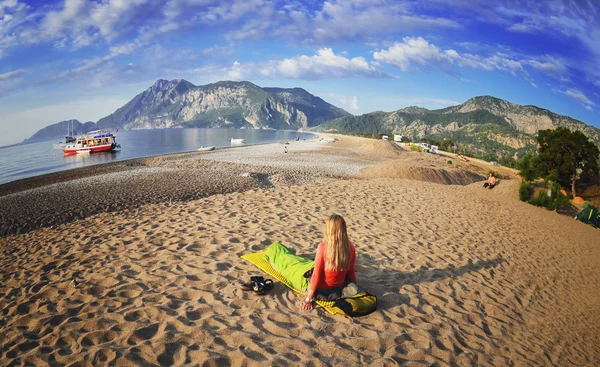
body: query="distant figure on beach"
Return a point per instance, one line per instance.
(285, 149)
(491, 181)
(334, 263)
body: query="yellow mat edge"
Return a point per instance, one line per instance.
(258, 260)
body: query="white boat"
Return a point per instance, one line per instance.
(203, 149)
(237, 141)
(91, 142)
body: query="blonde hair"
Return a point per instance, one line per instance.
(338, 246)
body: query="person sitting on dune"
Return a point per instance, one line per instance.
(334, 263)
(491, 181)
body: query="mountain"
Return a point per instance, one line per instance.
(482, 125)
(223, 104)
(60, 130)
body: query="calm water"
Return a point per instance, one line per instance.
(35, 159)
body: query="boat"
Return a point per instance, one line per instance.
(91, 142)
(203, 149)
(237, 141)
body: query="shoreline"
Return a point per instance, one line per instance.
(60, 197)
(44, 179)
(45, 175)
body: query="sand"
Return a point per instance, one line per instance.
(465, 276)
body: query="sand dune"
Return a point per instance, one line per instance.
(465, 277)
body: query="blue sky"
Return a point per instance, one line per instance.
(84, 59)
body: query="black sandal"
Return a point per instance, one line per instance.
(252, 284)
(262, 288)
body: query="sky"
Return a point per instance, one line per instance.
(78, 59)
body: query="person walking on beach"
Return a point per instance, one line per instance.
(285, 150)
(491, 181)
(334, 263)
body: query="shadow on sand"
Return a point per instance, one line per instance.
(387, 283)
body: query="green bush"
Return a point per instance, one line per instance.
(416, 148)
(525, 191)
(559, 200)
(449, 161)
(527, 167)
(542, 199)
(556, 201)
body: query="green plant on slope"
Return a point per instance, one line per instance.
(551, 199)
(525, 190)
(571, 155)
(527, 168)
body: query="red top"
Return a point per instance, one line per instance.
(330, 279)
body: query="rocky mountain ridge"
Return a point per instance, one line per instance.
(223, 104)
(60, 130)
(179, 103)
(483, 125)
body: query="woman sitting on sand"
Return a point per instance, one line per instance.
(334, 263)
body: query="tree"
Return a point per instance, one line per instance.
(508, 162)
(527, 167)
(446, 144)
(567, 154)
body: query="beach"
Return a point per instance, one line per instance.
(138, 263)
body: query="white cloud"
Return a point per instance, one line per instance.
(83, 21)
(359, 19)
(349, 103)
(336, 20)
(575, 94)
(324, 64)
(578, 96)
(10, 80)
(549, 65)
(575, 22)
(431, 103)
(416, 51)
(419, 52)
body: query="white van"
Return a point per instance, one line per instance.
(425, 146)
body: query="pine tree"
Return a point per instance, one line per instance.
(567, 154)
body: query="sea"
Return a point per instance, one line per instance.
(23, 161)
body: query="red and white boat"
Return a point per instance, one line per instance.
(91, 142)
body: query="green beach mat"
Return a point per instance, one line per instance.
(258, 259)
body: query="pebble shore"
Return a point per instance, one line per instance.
(53, 199)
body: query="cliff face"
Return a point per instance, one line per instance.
(482, 124)
(528, 119)
(223, 104)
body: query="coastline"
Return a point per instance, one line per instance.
(60, 197)
(463, 275)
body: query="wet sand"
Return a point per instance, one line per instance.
(465, 276)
